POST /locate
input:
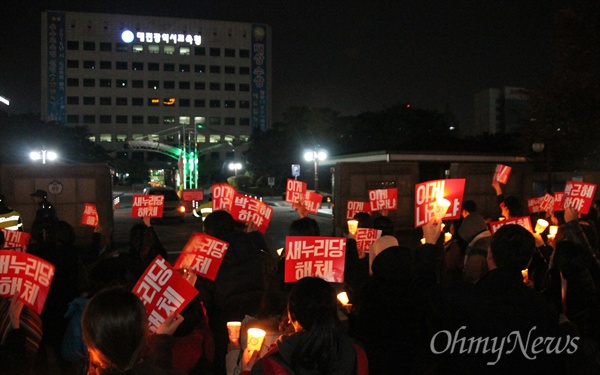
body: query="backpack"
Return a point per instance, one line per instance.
(273, 364)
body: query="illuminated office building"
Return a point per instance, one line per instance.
(132, 80)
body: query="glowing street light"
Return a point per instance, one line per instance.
(235, 166)
(315, 155)
(43, 155)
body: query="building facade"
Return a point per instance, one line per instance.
(198, 85)
(498, 110)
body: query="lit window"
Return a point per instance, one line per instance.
(92, 138)
(154, 137)
(199, 120)
(184, 51)
(200, 138)
(153, 48)
(138, 48)
(169, 50)
(228, 138)
(215, 138)
(105, 137)
(169, 101)
(168, 119)
(184, 120)
(153, 102)
(121, 137)
(138, 137)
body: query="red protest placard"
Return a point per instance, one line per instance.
(314, 256)
(190, 195)
(426, 194)
(312, 202)
(251, 210)
(163, 291)
(524, 221)
(90, 215)
(26, 275)
(222, 196)
(383, 199)
(547, 203)
(354, 207)
(203, 255)
(294, 191)
(502, 173)
(558, 201)
(147, 205)
(15, 240)
(533, 204)
(365, 237)
(579, 195)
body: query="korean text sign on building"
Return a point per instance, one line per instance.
(90, 215)
(222, 196)
(579, 195)
(354, 207)
(147, 205)
(203, 255)
(295, 191)
(365, 238)
(524, 221)
(383, 199)
(26, 275)
(163, 292)
(427, 193)
(314, 256)
(15, 240)
(251, 210)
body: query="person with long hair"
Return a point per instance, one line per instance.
(316, 346)
(115, 331)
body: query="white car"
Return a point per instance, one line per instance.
(173, 206)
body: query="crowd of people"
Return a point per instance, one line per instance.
(478, 303)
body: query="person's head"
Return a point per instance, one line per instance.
(511, 207)
(114, 327)
(39, 195)
(219, 224)
(364, 220)
(471, 226)
(304, 227)
(65, 234)
(468, 207)
(511, 248)
(384, 224)
(312, 303)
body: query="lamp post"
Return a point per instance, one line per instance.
(43, 155)
(235, 166)
(315, 155)
(539, 147)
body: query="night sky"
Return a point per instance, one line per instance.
(352, 56)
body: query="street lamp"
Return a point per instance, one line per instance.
(234, 166)
(43, 155)
(315, 155)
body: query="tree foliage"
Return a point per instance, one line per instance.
(22, 134)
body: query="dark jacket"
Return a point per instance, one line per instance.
(345, 362)
(386, 321)
(498, 306)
